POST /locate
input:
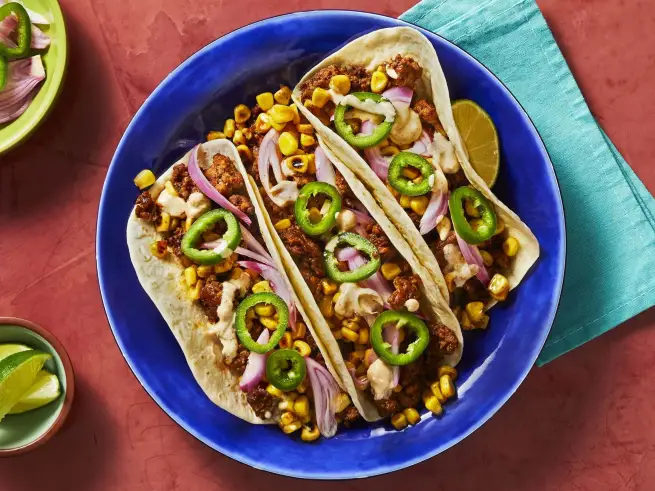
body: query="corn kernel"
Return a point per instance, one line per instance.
(412, 415)
(190, 276)
(269, 323)
(288, 143)
(390, 271)
(274, 391)
(283, 224)
(158, 249)
(349, 334)
(175, 222)
(229, 128)
(263, 123)
(302, 388)
(436, 391)
(144, 179)
(308, 104)
(351, 324)
(264, 310)
(475, 311)
(215, 135)
(301, 406)
(187, 224)
(446, 385)
(307, 140)
(311, 163)
(244, 153)
(411, 173)
(225, 265)
(498, 287)
(405, 201)
(354, 124)
(194, 293)
(287, 418)
(340, 84)
(320, 97)
(433, 405)
(448, 370)
(511, 246)
(286, 342)
(265, 100)
(419, 204)
(465, 321)
(297, 163)
(368, 354)
(390, 151)
(363, 335)
(302, 347)
(500, 226)
(476, 223)
(236, 273)
(450, 281)
(281, 114)
(335, 299)
(483, 324)
(310, 434)
(241, 113)
(261, 287)
(239, 139)
(301, 330)
(379, 81)
(285, 405)
(471, 210)
(164, 222)
(283, 96)
(314, 215)
(427, 393)
(398, 388)
(328, 286)
(296, 114)
(305, 129)
(343, 401)
(399, 421)
(487, 258)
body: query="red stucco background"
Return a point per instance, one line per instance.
(582, 423)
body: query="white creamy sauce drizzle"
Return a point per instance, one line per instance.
(284, 192)
(383, 108)
(457, 265)
(444, 154)
(175, 206)
(223, 249)
(380, 376)
(407, 128)
(224, 328)
(356, 300)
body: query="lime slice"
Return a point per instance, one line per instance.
(10, 349)
(45, 389)
(17, 374)
(480, 137)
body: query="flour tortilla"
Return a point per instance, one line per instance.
(370, 51)
(163, 281)
(432, 302)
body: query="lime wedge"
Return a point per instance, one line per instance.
(17, 374)
(10, 349)
(480, 137)
(45, 389)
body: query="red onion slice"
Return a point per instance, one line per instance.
(210, 191)
(423, 146)
(401, 96)
(361, 381)
(392, 336)
(346, 254)
(279, 285)
(325, 391)
(253, 255)
(364, 218)
(379, 283)
(324, 169)
(438, 206)
(255, 367)
(253, 244)
(373, 156)
(472, 256)
(22, 78)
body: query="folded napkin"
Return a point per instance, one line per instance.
(610, 222)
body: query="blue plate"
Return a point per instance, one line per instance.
(196, 98)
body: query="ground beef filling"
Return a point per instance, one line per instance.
(379, 239)
(146, 208)
(360, 80)
(210, 298)
(261, 401)
(406, 288)
(426, 111)
(224, 176)
(408, 71)
(349, 416)
(308, 255)
(182, 181)
(242, 203)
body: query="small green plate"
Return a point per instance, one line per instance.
(26, 431)
(54, 60)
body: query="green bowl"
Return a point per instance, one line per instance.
(20, 433)
(54, 60)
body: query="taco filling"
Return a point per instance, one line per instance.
(368, 294)
(398, 134)
(250, 312)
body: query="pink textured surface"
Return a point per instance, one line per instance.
(582, 423)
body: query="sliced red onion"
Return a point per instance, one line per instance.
(423, 146)
(392, 336)
(253, 244)
(379, 283)
(255, 367)
(253, 255)
(364, 218)
(326, 391)
(210, 191)
(346, 254)
(399, 95)
(279, 285)
(22, 78)
(361, 381)
(438, 206)
(472, 256)
(268, 157)
(373, 156)
(324, 169)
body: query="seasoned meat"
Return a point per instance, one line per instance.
(442, 342)
(255, 111)
(448, 342)
(408, 70)
(342, 185)
(387, 406)
(243, 203)
(380, 240)
(261, 401)
(307, 253)
(437, 247)
(182, 181)
(412, 380)
(238, 364)
(426, 111)
(475, 290)
(210, 298)
(406, 287)
(457, 180)
(224, 175)
(360, 80)
(175, 241)
(146, 208)
(349, 415)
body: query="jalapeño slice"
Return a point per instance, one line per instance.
(328, 220)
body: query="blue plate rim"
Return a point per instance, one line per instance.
(279, 470)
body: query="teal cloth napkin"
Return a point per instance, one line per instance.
(610, 224)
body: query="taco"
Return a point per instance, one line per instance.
(381, 103)
(200, 247)
(376, 308)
